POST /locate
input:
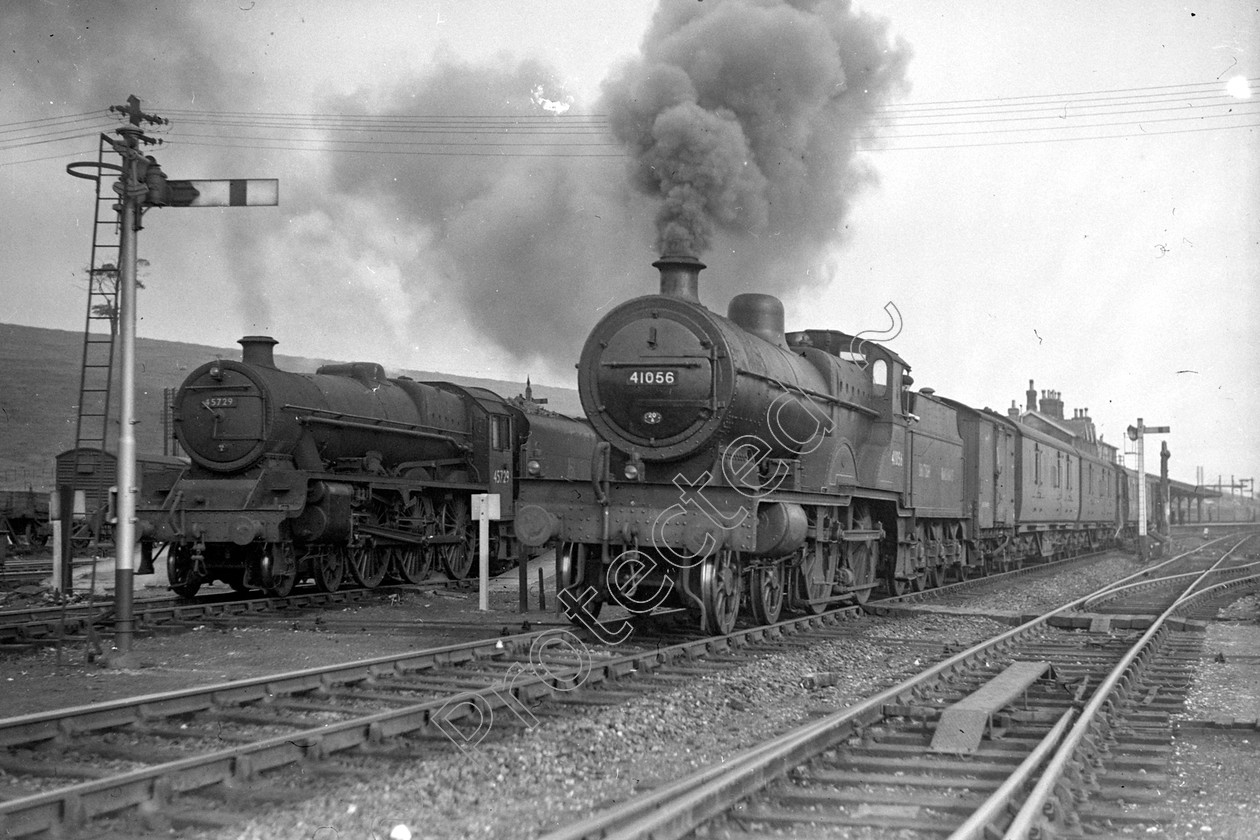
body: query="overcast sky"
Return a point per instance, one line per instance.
(1059, 191)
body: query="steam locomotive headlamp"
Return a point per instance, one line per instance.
(216, 372)
(533, 468)
(634, 468)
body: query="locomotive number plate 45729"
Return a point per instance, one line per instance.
(219, 402)
(651, 377)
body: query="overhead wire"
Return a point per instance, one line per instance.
(962, 123)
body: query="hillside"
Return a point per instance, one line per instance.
(39, 390)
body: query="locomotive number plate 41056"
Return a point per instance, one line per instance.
(651, 377)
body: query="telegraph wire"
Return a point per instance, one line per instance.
(512, 135)
(1040, 141)
(48, 122)
(1027, 129)
(1164, 90)
(374, 150)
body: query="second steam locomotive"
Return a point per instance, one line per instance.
(742, 465)
(341, 473)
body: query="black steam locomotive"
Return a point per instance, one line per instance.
(741, 465)
(339, 472)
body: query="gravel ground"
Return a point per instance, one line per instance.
(217, 652)
(1216, 772)
(1039, 591)
(559, 771)
(545, 777)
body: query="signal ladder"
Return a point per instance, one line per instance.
(96, 376)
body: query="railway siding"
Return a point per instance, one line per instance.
(873, 765)
(598, 747)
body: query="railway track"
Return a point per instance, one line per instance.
(159, 761)
(203, 757)
(1033, 732)
(60, 766)
(26, 628)
(15, 573)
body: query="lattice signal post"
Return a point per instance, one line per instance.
(141, 185)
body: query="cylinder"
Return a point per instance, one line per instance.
(781, 529)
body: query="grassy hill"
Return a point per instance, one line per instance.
(39, 393)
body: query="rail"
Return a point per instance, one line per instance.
(681, 807)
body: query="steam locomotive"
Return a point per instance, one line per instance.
(341, 472)
(740, 465)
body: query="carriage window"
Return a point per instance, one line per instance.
(1058, 467)
(499, 433)
(1037, 463)
(1068, 460)
(879, 377)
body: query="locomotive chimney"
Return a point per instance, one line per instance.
(680, 277)
(256, 350)
(1031, 394)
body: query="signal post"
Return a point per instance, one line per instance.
(142, 184)
(1138, 433)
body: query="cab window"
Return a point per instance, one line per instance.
(879, 377)
(499, 433)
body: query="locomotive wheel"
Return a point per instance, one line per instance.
(182, 572)
(720, 588)
(962, 570)
(34, 536)
(412, 564)
(816, 577)
(920, 580)
(457, 557)
(368, 565)
(765, 593)
(936, 563)
(281, 573)
(863, 559)
(328, 567)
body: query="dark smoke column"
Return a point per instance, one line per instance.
(741, 116)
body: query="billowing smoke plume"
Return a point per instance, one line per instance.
(519, 237)
(741, 117)
(84, 58)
